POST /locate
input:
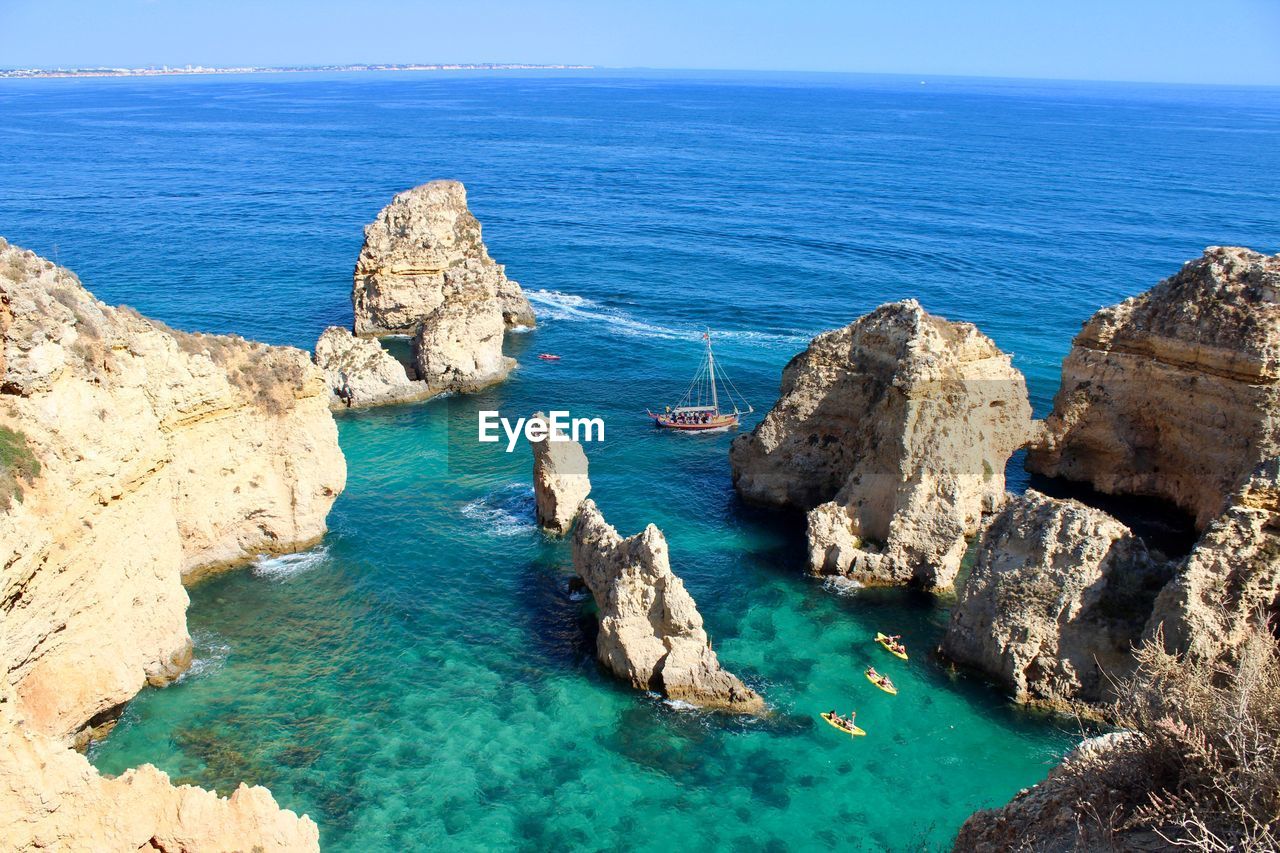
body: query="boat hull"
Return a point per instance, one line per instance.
(718, 422)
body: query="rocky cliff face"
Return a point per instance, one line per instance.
(136, 456)
(1231, 578)
(424, 270)
(650, 630)
(894, 433)
(1058, 595)
(51, 798)
(560, 480)
(361, 373)
(1048, 817)
(1174, 393)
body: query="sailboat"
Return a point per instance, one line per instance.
(699, 410)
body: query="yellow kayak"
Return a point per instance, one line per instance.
(855, 731)
(887, 688)
(883, 640)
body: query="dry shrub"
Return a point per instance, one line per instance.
(1209, 743)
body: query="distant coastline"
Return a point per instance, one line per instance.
(169, 70)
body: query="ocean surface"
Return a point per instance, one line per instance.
(425, 679)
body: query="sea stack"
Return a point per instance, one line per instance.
(425, 272)
(134, 457)
(560, 479)
(893, 433)
(361, 373)
(651, 633)
(1173, 393)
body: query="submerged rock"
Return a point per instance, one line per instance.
(146, 456)
(361, 373)
(560, 480)
(1174, 393)
(650, 630)
(1057, 597)
(1231, 579)
(893, 433)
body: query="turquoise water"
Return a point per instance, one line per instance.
(425, 679)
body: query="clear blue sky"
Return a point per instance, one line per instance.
(1197, 41)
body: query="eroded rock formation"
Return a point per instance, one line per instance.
(361, 373)
(1047, 817)
(1174, 393)
(1057, 597)
(893, 433)
(650, 630)
(51, 798)
(560, 479)
(424, 271)
(1231, 578)
(145, 455)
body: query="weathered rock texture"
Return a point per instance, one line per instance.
(560, 480)
(361, 373)
(894, 433)
(150, 455)
(424, 270)
(1048, 817)
(51, 798)
(1058, 595)
(650, 630)
(1174, 393)
(1231, 578)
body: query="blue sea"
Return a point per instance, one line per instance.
(425, 678)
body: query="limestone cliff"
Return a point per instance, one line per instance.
(893, 433)
(650, 630)
(361, 373)
(1057, 597)
(51, 798)
(1048, 818)
(1174, 393)
(424, 270)
(137, 456)
(1231, 578)
(560, 480)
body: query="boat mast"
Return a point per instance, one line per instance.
(711, 369)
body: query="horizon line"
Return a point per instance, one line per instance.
(193, 69)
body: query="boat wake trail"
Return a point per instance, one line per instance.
(507, 511)
(287, 565)
(555, 305)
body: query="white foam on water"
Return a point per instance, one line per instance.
(507, 511)
(210, 656)
(842, 586)
(285, 566)
(680, 705)
(556, 305)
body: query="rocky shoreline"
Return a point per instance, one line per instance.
(893, 434)
(145, 458)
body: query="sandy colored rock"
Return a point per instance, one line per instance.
(560, 479)
(1231, 578)
(1058, 595)
(458, 347)
(1173, 393)
(361, 373)
(51, 798)
(651, 633)
(893, 433)
(1047, 818)
(149, 455)
(423, 251)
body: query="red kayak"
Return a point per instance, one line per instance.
(546, 356)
